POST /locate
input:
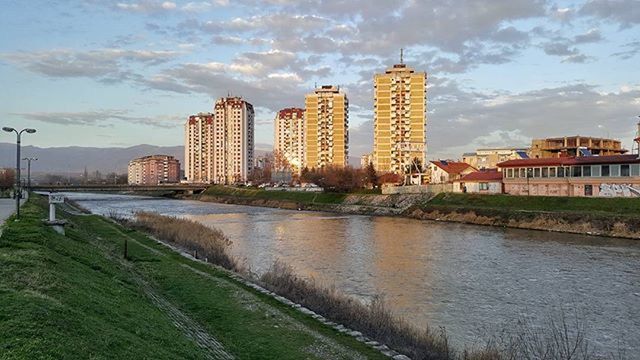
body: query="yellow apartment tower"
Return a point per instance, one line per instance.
(288, 145)
(326, 131)
(400, 118)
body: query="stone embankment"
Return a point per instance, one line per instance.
(417, 206)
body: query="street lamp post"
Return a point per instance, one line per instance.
(29, 160)
(18, 192)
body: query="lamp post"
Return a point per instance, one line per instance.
(18, 192)
(29, 160)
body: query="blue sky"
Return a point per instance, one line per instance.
(121, 73)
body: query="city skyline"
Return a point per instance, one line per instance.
(500, 73)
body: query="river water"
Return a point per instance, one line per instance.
(473, 280)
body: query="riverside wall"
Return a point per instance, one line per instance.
(416, 206)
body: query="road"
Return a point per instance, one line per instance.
(7, 208)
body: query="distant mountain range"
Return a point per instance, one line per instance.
(74, 159)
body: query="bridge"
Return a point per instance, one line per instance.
(189, 189)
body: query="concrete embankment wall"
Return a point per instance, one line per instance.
(577, 223)
(417, 206)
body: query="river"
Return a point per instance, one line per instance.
(472, 280)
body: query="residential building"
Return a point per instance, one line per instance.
(365, 160)
(198, 148)
(447, 171)
(490, 157)
(288, 145)
(327, 128)
(575, 146)
(480, 182)
(154, 170)
(604, 176)
(400, 118)
(219, 146)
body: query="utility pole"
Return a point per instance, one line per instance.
(18, 190)
(29, 160)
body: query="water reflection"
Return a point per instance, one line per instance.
(467, 278)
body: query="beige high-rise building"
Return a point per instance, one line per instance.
(400, 118)
(288, 145)
(219, 146)
(327, 128)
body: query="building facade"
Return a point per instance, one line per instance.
(288, 144)
(327, 128)
(366, 159)
(489, 158)
(219, 146)
(575, 146)
(153, 170)
(400, 118)
(603, 176)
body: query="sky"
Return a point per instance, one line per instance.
(500, 72)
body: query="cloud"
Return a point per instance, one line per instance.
(105, 64)
(624, 12)
(593, 35)
(461, 121)
(101, 118)
(631, 49)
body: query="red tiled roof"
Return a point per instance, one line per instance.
(485, 175)
(566, 161)
(452, 167)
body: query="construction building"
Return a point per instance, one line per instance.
(219, 146)
(366, 159)
(327, 128)
(400, 119)
(154, 170)
(575, 146)
(489, 158)
(288, 145)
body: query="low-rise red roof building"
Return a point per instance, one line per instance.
(487, 181)
(446, 171)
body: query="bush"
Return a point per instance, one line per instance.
(208, 243)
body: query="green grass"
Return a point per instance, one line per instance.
(75, 296)
(618, 206)
(297, 196)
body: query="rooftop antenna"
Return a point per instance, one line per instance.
(401, 56)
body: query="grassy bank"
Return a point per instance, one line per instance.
(260, 194)
(76, 296)
(616, 206)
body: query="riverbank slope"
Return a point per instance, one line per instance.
(77, 296)
(614, 217)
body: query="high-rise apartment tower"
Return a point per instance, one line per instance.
(219, 146)
(288, 145)
(326, 130)
(400, 119)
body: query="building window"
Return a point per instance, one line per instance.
(588, 190)
(586, 171)
(635, 170)
(606, 171)
(523, 172)
(576, 171)
(545, 172)
(552, 172)
(484, 186)
(536, 172)
(624, 170)
(529, 172)
(595, 170)
(560, 171)
(615, 170)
